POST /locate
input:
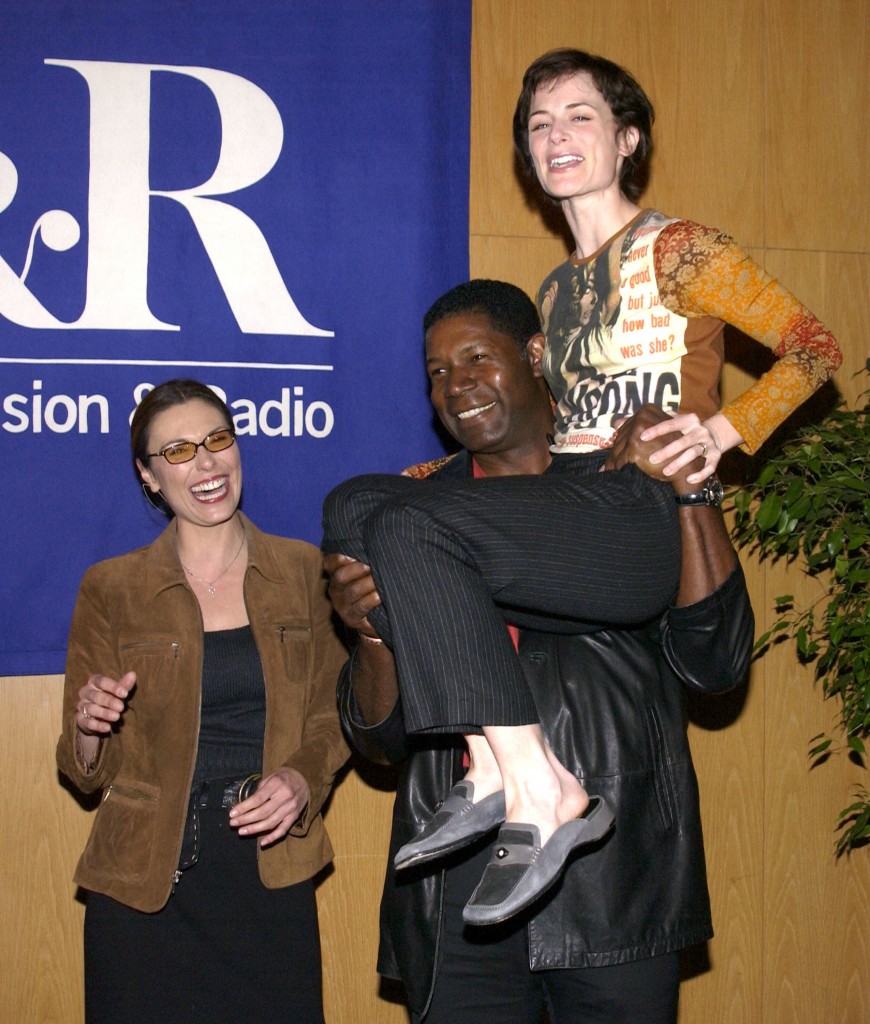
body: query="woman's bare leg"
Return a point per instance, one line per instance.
(483, 770)
(539, 789)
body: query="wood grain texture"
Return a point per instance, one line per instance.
(817, 142)
(358, 821)
(727, 739)
(701, 67)
(40, 938)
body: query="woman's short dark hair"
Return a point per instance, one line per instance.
(628, 103)
(164, 396)
(509, 310)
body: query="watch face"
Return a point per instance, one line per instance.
(710, 494)
(715, 491)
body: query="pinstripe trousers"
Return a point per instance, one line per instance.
(571, 551)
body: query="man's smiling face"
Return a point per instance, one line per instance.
(483, 388)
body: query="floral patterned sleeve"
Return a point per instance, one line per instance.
(702, 272)
(423, 469)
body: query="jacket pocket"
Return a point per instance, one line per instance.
(121, 844)
(664, 783)
(295, 642)
(155, 661)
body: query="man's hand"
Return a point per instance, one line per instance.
(353, 594)
(628, 448)
(708, 556)
(352, 591)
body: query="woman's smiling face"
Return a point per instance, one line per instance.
(206, 490)
(575, 142)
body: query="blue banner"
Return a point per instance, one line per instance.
(264, 196)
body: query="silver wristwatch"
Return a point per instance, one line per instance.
(710, 494)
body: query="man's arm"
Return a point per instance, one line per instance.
(368, 688)
(708, 632)
(708, 556)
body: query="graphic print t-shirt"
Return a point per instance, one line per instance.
(612, 345)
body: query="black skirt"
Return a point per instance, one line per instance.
(224, 948)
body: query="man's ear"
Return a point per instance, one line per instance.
(535, 353)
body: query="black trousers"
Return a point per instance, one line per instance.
(224, 949)
(484, 977)
(570, 551)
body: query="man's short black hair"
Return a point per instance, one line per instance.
(509, 309)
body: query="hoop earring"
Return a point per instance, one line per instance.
(147, 492)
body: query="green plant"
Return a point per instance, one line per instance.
(811, 504)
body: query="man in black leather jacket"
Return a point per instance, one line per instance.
(603, 945)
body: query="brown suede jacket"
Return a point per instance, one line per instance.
(137, 612)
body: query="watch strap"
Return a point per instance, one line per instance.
(710, 494)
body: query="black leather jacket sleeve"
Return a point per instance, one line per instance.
(709, 644)
(385, 742)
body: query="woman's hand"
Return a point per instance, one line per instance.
(274, 808)
(101, 703)
(707, 439)
(352, 591)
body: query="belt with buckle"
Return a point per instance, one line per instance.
(224, 793)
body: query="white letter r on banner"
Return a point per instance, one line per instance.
(252, 135)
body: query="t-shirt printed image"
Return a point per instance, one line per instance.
(611, 345)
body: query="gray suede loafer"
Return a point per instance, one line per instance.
(455, 824)
(521, 870)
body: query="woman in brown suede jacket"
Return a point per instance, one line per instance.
(195, 665)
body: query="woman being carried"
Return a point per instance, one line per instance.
(574, 549)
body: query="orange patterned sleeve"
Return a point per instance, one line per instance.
(423, 469)
(702, 272)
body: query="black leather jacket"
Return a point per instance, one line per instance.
(611, 705)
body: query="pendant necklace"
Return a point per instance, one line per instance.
(210, 584)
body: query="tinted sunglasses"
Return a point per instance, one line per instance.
(184, 451)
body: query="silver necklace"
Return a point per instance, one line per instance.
(211, 583)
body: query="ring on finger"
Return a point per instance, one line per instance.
(85, 712)
(703, 446)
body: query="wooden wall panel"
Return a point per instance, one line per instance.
(522, 261)
(816, 911)
(358, 820)
(818, 145)
(727, 739)
(702, 68)
(42, 836)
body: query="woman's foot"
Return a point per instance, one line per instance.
(522, 868)
(539, 789)
(473, 807)
(457, 823)
(483, 771)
